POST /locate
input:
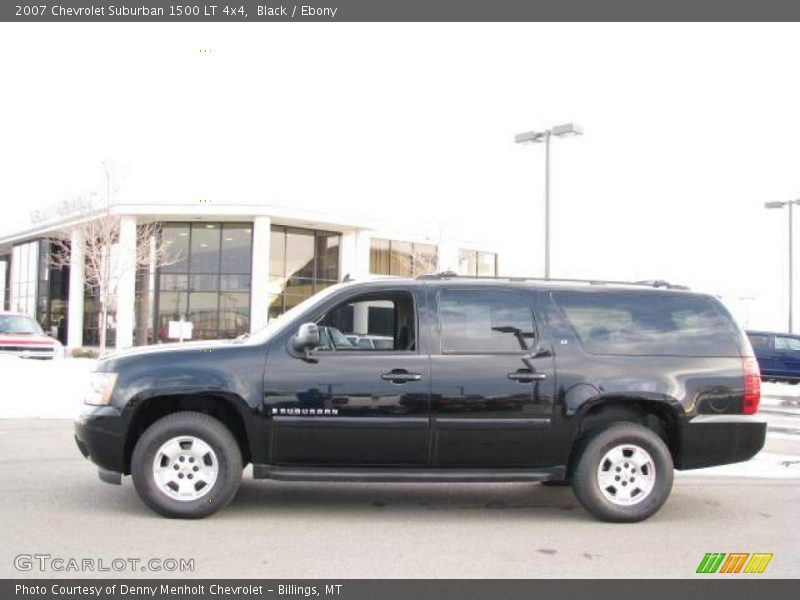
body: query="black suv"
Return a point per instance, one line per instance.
(605, 386)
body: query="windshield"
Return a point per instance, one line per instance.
(19, 324)
(277, 324)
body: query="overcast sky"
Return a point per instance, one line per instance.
(689, 129)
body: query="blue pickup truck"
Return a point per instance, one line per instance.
(778, 355)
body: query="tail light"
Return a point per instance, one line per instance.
(752, 385)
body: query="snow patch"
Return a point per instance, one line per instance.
(45, 389)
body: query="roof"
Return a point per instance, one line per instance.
(528, 282)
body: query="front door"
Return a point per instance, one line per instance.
(491, 379)
(362, 397)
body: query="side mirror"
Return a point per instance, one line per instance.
(306, 339)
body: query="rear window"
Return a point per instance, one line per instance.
(650, 323)
(758, 341)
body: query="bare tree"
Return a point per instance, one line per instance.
(102, 273)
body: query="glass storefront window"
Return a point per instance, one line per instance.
(24, 277)
(475, 263)
(379, 253)
(487, 264)
(203, 313)
(204, 255)
(327, 253)
(426, 258)
(402, 259)
(300, 256)
(176, 239)
(210, 285)
(301, 263)
(237, 243)
(234, 313)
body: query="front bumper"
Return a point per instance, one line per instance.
(711, 440)
(100, 436)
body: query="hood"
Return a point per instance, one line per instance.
(26, 339)
(170, 348)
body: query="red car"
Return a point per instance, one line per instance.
(21, 335)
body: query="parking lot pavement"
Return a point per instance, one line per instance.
(53, 503)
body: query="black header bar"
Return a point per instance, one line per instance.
(705, 588)
(144, 11)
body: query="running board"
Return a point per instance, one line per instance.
(407, 475)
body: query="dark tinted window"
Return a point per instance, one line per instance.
(650, 323)
(758, 341)
(485, 321)
(374, 321)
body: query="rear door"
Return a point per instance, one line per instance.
(492, 378)
(787, 356)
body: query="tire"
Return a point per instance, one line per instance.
(617, 456)
(200, 451)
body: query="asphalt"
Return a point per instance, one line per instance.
(52, 503)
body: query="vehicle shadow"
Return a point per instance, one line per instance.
(501, 500)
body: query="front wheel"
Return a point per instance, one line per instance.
(624, 474)
(186, 465)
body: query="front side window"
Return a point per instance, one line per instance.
(485, 322)
(378, 321)
(785, 344)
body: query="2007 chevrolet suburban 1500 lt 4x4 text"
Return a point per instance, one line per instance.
(608, 387)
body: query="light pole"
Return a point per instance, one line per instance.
(790, 204)
(536, 137)
(746, 300)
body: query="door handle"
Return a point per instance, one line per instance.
(524, 376)
(400, 376)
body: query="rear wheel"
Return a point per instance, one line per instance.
(624, 473)
(186, 465)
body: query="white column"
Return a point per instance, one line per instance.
(259, 282)
(76, 290)
(354, 255)
(347, 255)
(126, 285)
(361, 318)
(448, 256)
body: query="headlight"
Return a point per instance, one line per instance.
(100, 387)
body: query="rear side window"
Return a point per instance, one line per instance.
(782, 344)
(485, 322)
(758, 341)
(650, 323)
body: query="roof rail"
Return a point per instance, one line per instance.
(655, 283)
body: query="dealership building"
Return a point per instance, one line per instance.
(233, 267)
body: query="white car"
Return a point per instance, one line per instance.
(21, 335)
